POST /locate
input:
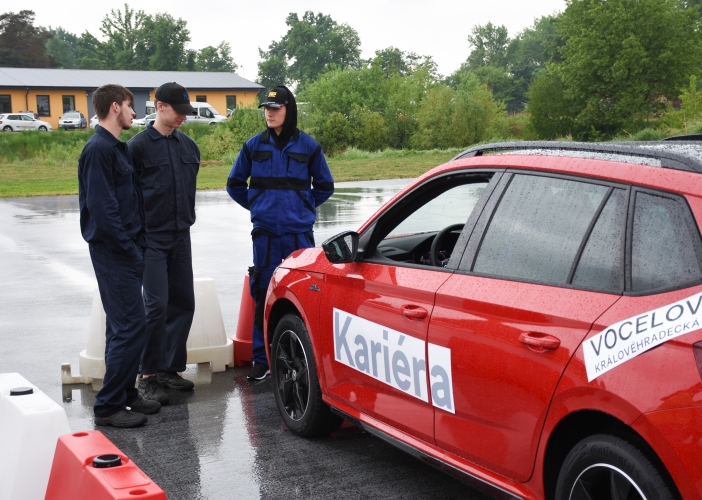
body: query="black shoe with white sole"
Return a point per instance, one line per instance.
(258, 372)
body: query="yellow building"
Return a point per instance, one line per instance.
(51, 92)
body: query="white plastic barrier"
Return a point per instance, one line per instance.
(207, 341)
(30, 425)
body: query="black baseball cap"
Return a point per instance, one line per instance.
(177, 96)
(276, 98)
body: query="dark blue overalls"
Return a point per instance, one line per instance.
(167, 167)
(286, 186)
(112, 222)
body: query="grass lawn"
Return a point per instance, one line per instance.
(21, 179)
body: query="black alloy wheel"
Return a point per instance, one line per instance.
(295, 383)
(292, 375)
(605, 467)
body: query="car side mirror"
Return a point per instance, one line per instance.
(341, 248)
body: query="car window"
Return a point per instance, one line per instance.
(406, 233)
(538, 227)
(663, 245)
(601, 265)
(27, 118)
(13, 117)
(452, 207)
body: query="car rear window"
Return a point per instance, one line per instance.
(538, 228)
(665, 243)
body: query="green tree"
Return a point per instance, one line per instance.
(217, 58)
(22, 45)
(62, 47)
(163, 43)
(550, 112)
(620, 55)
(311, 46)
(490, 45)
(125, 38)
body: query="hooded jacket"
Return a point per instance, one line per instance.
(288, 180)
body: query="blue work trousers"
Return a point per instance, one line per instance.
(119, 281)
(169, 298)
(269, 250)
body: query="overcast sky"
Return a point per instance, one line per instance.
(438, 29)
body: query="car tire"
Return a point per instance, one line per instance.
(607, 467)
(295, 382)
(42, 129)
(7, 128)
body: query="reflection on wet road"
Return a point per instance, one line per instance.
(225, 438)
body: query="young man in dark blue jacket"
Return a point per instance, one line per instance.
(289, 179)
(112, 222)
(167, 163)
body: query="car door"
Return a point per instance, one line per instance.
(377, 310)
(538, 270)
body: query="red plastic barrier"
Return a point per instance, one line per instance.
(74, 476)
(244, 328)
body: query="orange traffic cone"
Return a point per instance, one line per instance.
(244, 328)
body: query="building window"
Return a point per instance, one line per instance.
(43, 106)
(5, 104)
(231, 102)
(201, 98)
(69, 103)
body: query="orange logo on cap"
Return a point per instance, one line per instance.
(272, 94)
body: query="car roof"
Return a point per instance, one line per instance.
(679, 153)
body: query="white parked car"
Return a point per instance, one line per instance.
(205, 114)
(94, 121)
(143, 122)
(16, 122)
(72, 120)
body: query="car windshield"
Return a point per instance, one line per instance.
(71, 115)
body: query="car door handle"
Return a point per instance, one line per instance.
(414, 312)
(536, 339)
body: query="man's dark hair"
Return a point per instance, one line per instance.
(104, 96)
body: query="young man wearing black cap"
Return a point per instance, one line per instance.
(112, 222)
(167, 162)
(281, 162)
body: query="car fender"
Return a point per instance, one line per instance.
(301, 288)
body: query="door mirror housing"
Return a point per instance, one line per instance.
(341, 248)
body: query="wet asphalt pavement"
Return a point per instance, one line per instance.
(225, 439)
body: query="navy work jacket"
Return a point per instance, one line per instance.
(109, 195)
(286, 185)
(167, 168)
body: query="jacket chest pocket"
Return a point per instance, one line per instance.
(156, 172)
(261, 163)
(123, 177)
(297, 165)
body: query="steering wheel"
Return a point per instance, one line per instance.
(438, 239)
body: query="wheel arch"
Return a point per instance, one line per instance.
(580, 424)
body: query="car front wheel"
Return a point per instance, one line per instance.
(42, 129)
(609, 468)
(295, 382)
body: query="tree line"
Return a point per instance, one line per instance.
(133, 40)
(595, 70)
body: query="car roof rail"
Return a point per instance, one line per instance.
(686, 137)
(680, 154)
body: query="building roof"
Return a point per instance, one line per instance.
(89, 79)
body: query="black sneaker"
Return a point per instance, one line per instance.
(174, 381)
(143, 405)
(258, 372)
(151, 390)
(123, 418)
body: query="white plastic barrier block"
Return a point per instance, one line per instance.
(30, 425)
(207, 340)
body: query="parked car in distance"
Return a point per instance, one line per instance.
(205, 114)
(16, 122)
(527, 317)
(143, 122)
(94, 121)
(71, 120)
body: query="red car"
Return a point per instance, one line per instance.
(527, 317)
